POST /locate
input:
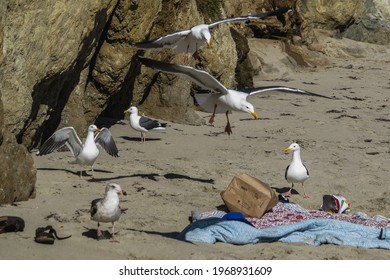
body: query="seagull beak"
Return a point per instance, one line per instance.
(255, 115)
(209, 44)
(97, 130)
(126, 111)
(286, 150)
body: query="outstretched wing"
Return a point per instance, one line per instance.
(167, 41)
(199, 77)
(251, 17)
(104, 139)
(64, 136)
(285, 89)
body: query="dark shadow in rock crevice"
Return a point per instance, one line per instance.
(55, 90)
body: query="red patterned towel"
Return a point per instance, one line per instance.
(288, 213)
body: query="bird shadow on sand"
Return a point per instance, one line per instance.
(92, 233)
(106, 235)
(138, 139)
(150, 176)
(60, 169)
(154, 177)
(172, 235)
(85, 174)
(180, 176)
(211, 133)
(282, 190)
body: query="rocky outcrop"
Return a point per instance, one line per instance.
(47, 53)
(45, 58)
(17, 169)
(367, 20)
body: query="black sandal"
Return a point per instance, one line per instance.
(47, 235)
(11, 224)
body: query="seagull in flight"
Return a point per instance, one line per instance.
(222, 99)
(85, 153)
(190, 40)
(296, 171)
(143, 124)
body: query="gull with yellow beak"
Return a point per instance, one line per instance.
(190, 40)
(222, 99)
(85, 153)
(143, 124)
(296, 172)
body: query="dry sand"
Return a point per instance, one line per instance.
(345, 144)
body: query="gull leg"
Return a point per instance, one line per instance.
(288, 193)
(81, 172)
(196, 53)
(304, 192)
(228, 129)
(186, 56)
(185, 59)
(113, 234)
(98, 232)
(211, 120)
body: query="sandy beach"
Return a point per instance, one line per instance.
(345, 144)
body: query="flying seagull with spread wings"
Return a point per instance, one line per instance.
(85, 153)
(222, 100)
(190, 40)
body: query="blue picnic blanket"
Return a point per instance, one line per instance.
(312, 232)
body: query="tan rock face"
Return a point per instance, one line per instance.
(18, 173)
(46, 48)
(17, 169)
(367, 20)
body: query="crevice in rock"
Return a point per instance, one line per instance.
(55, 91)
(102, 39)
(118, 102)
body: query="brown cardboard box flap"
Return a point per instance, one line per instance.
(249, 195)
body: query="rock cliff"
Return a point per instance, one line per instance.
(69, 62)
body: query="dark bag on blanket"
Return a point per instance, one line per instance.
(249, 195)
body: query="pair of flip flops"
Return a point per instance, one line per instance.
(11, 224)
(47, 235)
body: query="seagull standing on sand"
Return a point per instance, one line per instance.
(222, 100)
(85, 153)
(296, 172)
(190, 40)
(143, 124)
(107, 210)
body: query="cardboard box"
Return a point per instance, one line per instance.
(249, 195)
